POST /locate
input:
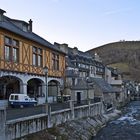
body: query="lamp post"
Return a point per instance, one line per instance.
(87, 84)
(45, 69)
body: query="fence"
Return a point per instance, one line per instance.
(23, 126)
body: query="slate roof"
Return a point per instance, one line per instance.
(10, 26)
(82, 58)
(113, 71)
(104, 86)
(82, 85)
(80, 55)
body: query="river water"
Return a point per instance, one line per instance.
(127, 127)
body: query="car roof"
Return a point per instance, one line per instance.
(18, 94)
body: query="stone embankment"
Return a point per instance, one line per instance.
(80, 129)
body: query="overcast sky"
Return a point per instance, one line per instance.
(85, 24)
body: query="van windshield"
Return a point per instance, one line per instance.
(12, 97)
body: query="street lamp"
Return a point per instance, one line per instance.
(45, 69)
(87, 83)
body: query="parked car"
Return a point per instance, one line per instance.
(63, 98)
(21, 100)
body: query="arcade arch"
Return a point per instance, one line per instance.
(9, 84)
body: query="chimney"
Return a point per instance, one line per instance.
(63, 47)
(75, 50)
(30, 25)
(97, 57)
(1, 14)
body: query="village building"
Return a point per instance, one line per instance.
(23, 57)
(85, 77)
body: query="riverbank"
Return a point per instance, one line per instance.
(126, 127)
(81, 129)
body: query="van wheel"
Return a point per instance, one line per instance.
(21, 106)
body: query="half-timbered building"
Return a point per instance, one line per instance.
(23, 55)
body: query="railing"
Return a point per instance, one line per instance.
(15, 113)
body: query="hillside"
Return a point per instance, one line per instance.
(124, 55)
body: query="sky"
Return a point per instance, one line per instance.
(84, 24)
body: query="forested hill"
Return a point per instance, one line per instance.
(124, 55)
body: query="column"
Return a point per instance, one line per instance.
(89, 107)
(44, 91)
(4, 90)
(23, 88)
(48, 110)
(42, 99)
(72, 109)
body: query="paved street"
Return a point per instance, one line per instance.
(14, 113)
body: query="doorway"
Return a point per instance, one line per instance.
(78, 97)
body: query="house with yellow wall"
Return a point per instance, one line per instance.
(23, 57)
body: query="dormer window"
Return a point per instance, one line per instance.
(25, 28)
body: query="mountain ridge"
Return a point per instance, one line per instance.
(124, 55)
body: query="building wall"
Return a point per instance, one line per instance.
(91, 93)
(25, 57)
(83, 94)
(98, 92)
(109, 98)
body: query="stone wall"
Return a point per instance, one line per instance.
(20, 127)
(62, 116)
(2, 123)
(24, 126)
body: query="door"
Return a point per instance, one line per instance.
(78, 97)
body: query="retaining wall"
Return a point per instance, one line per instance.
(20, 127)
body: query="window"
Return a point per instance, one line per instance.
(12, 97)
(7, 53)
(11, 50)
(55, 61)
(15, 50)
(34, 59)
(37, 56)
(73, 81)
(8, 41)
(16, 97)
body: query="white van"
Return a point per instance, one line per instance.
(21, 100)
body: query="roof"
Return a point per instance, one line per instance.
(82, 84)
(79, 54)
(76, 56)
(7, 24)
(104, 86)
(114, 71)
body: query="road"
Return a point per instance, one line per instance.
(15, 113)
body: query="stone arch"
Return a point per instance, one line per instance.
(34, 87)
(53, 90)
(9, 84)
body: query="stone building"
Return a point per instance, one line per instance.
(81, 68)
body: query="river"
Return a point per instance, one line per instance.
(127, 127)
